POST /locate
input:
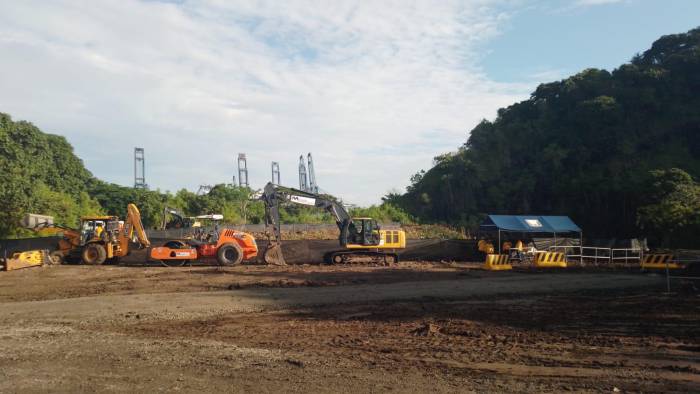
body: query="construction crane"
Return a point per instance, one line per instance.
(303, 183)
(358, 236)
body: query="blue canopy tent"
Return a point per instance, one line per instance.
(533, 224)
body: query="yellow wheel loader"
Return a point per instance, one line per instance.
(99, 238)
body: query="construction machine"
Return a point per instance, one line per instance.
(358, 236)
(228, 246)
(26, 259)
(99, 238)
(178, 220)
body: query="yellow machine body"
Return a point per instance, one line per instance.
(30, 258)
(389, 239)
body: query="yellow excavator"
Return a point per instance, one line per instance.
(98, 239)
(359, 237)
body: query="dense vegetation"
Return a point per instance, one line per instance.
(617, 151)
(591, 146)
(39, 173)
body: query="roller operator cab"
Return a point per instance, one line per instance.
(228, 247)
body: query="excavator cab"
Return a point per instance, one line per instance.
(364, 231)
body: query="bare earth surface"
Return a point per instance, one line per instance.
(417, 327)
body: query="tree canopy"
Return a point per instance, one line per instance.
(39, 173)
(584, 146)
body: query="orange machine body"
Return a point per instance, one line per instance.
(184, 250)
(166, 253)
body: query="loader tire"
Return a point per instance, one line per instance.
(229, 254)
(94, 254)
(56, 257)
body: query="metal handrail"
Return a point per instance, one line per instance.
(597, 255)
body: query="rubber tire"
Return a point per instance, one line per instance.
(229, 254)
(56, 257)
(94, 254)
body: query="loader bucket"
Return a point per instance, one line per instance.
(273, 254)
(31, 258)
(32, 220)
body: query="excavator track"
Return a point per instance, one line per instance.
(361, 257)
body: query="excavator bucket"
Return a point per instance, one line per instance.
(273, 254)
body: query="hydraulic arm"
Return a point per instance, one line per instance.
(356, 236)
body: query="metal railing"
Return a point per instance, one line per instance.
(598, 254)
(629, 254)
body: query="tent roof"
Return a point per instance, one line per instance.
(530, 224)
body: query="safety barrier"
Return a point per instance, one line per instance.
(659, 261)
(550, 259)
(497, 262)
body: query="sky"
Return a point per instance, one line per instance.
(373, 89)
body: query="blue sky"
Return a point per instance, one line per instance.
(374, 89)
(557, 38)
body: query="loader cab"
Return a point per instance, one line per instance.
(96, 227)
(364, 231)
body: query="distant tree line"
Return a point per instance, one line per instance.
(39, 173)
(617, 151)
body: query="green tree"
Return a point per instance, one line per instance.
(582, 147)
(674, 204)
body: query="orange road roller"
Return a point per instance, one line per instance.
(228, 247)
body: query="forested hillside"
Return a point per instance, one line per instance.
(39, 173)
(586, 147)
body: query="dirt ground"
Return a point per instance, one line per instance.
(415, 327)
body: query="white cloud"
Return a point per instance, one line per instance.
(585, 3)
(374, 90)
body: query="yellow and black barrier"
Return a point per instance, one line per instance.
(659, 261)
(497, 262)
(550, 259)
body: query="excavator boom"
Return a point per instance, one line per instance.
(362, 235)
(273, 195)
(133, 225)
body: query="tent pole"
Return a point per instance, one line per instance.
(580, 247)
(499, 241)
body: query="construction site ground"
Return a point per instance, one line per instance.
(415, 327)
